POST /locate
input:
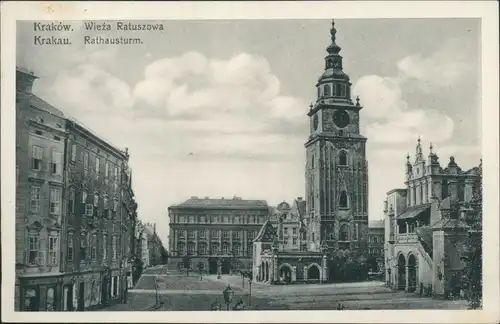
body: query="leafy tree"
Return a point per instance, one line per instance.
(137, 269)
(473, 254)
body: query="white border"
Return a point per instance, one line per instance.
(487, 10)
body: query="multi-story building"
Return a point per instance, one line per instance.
(425, 223)
(376, 244)
(40, 148)
(376, 238)
(70, 227)
(129, 217)
(150, 247)
(336, 165)
(287, 221)
(216, 234)
(336, 177)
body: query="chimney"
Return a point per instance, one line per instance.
(194, 197)
(299, 198)
(207, 197)
(222, 198)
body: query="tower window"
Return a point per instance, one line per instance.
(343, 158)
(343, 200)
(319, 92)
(344, 233)
(339, 92)
(327, 91)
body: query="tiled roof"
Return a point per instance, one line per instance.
(376, 223)
(41, 104)
(223, 203)
(413, 211)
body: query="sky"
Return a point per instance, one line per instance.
(218, 108)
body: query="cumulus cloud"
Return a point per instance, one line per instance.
(391, 120)
(444, 68)
(196, 87)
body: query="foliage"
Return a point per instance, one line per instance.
(472, 275)
(348, 266)
(137, 269)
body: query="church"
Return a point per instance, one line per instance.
(333, 219)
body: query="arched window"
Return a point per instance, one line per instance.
(342, 158)
(344, 233)
(343, 200)
(327, 90)
(319, 92)
(338, 94)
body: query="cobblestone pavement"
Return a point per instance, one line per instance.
(178, 292)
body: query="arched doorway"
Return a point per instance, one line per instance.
(285, 273)
(313, 272)
(226, 266)
(212, 265)
(401, 272)
(412, 273)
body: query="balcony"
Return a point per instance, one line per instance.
(407, 238)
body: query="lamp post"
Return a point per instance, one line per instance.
(156, 289)
(250, 292)
(228, 296)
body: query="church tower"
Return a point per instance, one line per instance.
(336, 167)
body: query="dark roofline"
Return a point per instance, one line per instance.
(395, 190)
(218, 207)
(79, 128)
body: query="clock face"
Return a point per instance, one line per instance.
(341, 118)
(315, 122)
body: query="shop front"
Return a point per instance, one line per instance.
(39, 294)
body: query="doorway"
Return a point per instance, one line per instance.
(104, 291)
(69, 297)
(226, 266)
(313, 273)
(212, 266)
(81, 297)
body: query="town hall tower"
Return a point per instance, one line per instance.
(336, 166)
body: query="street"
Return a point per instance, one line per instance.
(179, 292)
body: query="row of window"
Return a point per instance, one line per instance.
(376, 252)
(55, 202)
(375, 239)
(294, 230)
(41, 252)
(342, 161)
(56, 162)
(88, 244)
(96, 164)
(334, 90)
(215, 234)
(344, 233)
(221, 219)
(214, 248)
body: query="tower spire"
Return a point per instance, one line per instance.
(333, 48)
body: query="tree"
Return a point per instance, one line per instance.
(473, 254)
(137, 269)
(186, 262)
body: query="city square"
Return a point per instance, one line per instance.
(178, 292)
(101, 228)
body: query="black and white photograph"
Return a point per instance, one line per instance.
(230, 163)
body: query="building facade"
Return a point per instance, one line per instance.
(287, 220)
(71, 230)
(40, 148)
(426, 223)
(336, 166)
(334, 221)
(376, 237)
(215, 234)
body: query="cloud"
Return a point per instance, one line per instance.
(406, 126)
(389, 117)
(444, 68)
